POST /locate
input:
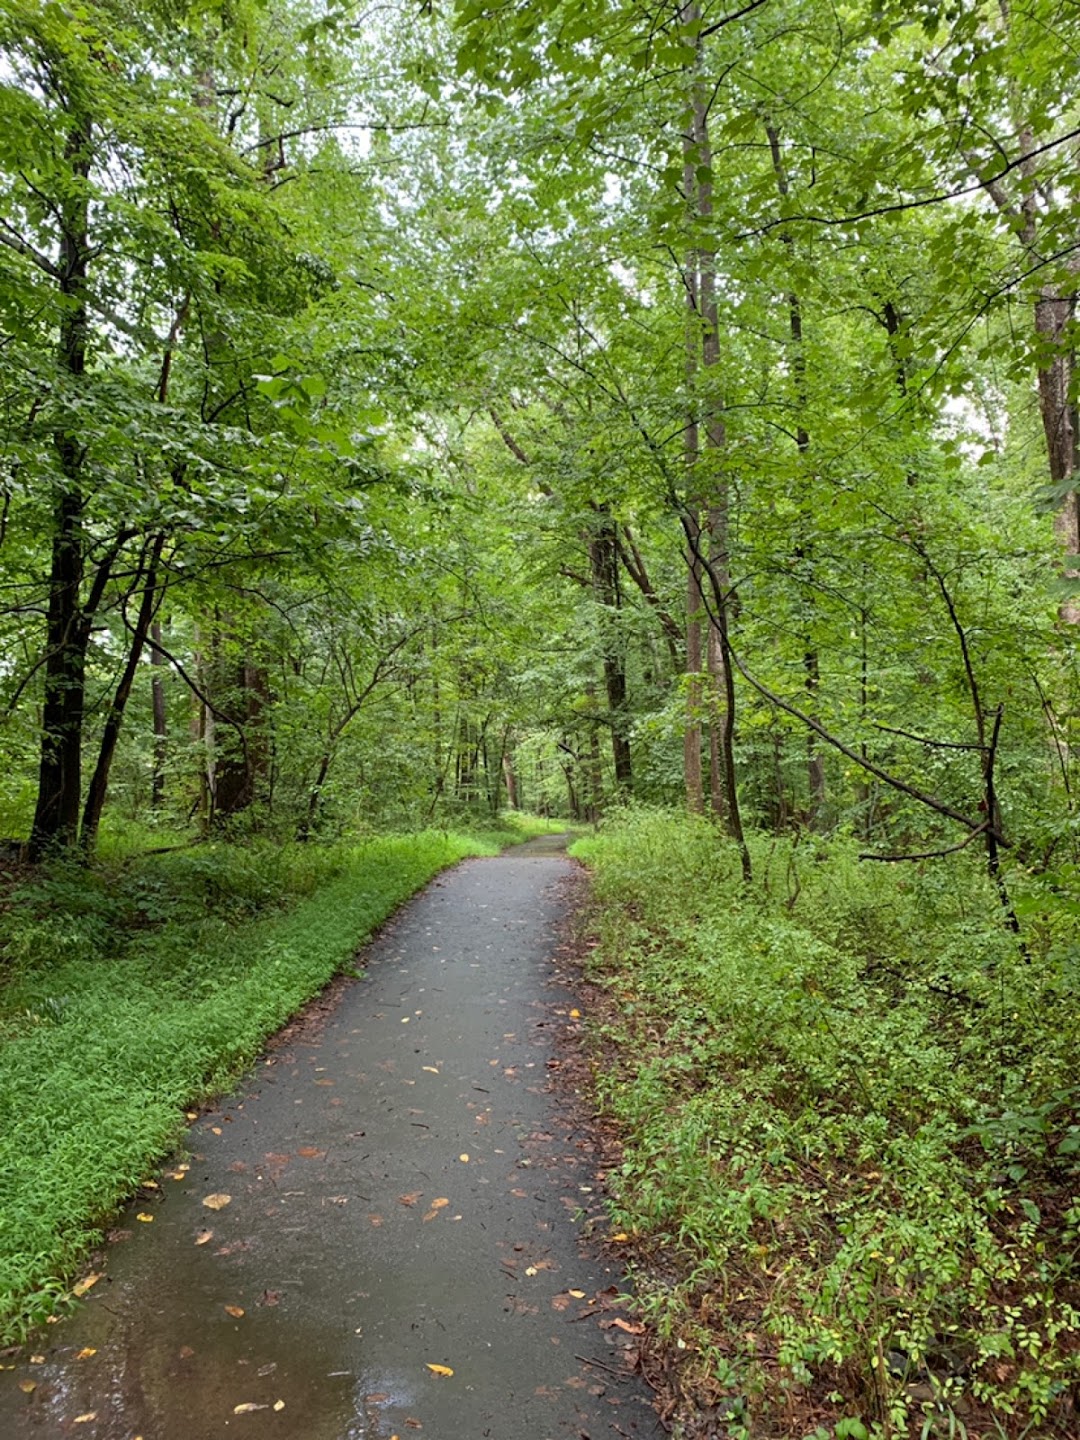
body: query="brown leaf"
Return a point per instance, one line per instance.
(311, 1152)
(270, 1297)
(236, 1311)
(411, 1198)
(203, 1236)
(28, 1386)
(440, 1204)
(629, 1326)
(186, 1352)
(216, 1201)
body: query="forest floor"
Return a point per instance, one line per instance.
(393, 1225)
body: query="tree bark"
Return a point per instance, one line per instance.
(67, 627)
(604, 563)
(99, 782)
(161, 725)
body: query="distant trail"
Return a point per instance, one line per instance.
(403, 1184)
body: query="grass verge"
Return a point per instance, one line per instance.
(133, 989)
(848, 1106)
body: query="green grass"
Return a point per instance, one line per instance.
(849, 1108)
(137, 987)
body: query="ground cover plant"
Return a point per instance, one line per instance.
(137, 987)
(849, 1108)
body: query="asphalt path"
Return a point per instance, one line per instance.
(403, 1189)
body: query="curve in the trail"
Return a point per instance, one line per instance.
(404, 1194)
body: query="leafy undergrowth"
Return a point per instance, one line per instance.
(132, 989)
(848, 1106)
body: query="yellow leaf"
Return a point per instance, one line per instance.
(86, 1352)
(85, 1419)
(203, 1236)
(145, 1218)
(85, 1284)
(440, 1204)
(530, 1270)
(236, 1311)
(217, 1202)
(247, 1407)
(464, 1159)
(279, 1404)
(622, 1235)
(28, 1386)
(215, 1129)
(575, 1014)
(37, 1359)
(440, 1369)
(577, 1294)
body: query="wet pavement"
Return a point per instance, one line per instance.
(399, 1192)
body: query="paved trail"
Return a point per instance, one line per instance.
(403, 1189)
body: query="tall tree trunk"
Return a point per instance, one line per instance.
(67, 627)
(715, 445)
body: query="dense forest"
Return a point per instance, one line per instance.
(663, 416)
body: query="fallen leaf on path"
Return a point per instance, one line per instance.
(431, 1069)
(413, 1424)
(236, 1311)
(215, 1129)
(203, 1236)
(28, 1386)
(145, 1218)
(531, 1270)
(37, 1359)
(622, 1235)
(440, 1204)
(216, 1201)
(85, 1284)
(247, 1407)
(411, 1198)
(431, 1215)
(279, 1404)
(628, 1325)
(270, 1297)
(377, 1397)
(440, 1369)
(375, 1220)
(186, 1352)
(577, 1294)
(86, 1352)
(85, 1419)
(464, 1159)
(575, 1014)
(311, 1152)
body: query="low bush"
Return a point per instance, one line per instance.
(849, 1108)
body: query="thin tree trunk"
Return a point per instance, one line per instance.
(99, 782)
(716, 444)
(604, 561)
(161, 726)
